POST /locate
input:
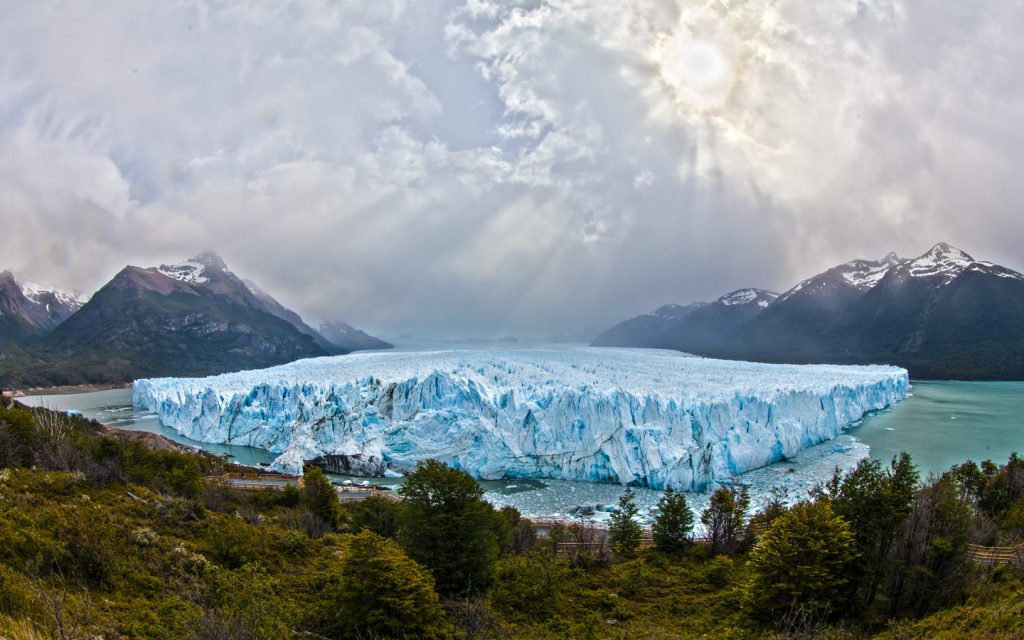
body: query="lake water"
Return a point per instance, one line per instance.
(945, 423)
(941, 424)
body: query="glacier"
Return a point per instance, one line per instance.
(641, 417)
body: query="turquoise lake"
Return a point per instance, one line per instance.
(941, 424)
(945, 423)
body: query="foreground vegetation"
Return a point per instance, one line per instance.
(104, 536)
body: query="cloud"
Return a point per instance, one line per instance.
(486, 167)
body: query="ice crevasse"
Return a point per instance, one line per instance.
(646, 417)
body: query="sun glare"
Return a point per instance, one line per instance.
(698, 61)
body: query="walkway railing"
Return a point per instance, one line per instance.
(278, 482)
(996, 555)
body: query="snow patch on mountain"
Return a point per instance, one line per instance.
(37, 294)
(605, 415)
(865, 274)
(190, 271)
(942, 261)
(747, 296)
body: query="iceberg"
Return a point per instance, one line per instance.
(640, 417)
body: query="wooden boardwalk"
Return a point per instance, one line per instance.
(996, 555)
(278, 482)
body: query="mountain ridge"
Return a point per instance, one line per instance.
(941, 315)
(191, 318)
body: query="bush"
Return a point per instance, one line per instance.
(382, 593)
(802, 564)
(375, 514)
(320, 498)
(530, 584)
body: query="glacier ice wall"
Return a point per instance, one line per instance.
(647, 417)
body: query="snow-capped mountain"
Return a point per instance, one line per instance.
(942, 314)
(30, 310)
(694, 328)
(196, 317)
(758, 297)
(860, 275)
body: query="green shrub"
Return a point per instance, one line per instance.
(381, 593)
(530, 584)
(802, 563)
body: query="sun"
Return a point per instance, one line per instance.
(698, 61)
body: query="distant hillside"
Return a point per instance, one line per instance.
(941, 315)
(349, 338)
(694, 328)
(29, 311)
(191, 319)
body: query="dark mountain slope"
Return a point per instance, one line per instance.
(193, 319)
(347, 337)
(941, 315)
(654, 330)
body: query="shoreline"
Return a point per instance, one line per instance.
(62, 390)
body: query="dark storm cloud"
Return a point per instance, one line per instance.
(481, 167)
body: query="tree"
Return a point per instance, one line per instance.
(802, 564)
(320, 497)
(446, 525)
(376, 514)
(929, 565)
(624, 532)
(724, 518)
(673, 527)
(875, 502)
(382, 593)
(509, 527)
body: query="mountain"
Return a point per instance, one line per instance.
(266, 302)
(796, 323)
(195, 318)
(656, 329)
(693, 328)
(349, 338)
(941, 315)
(30, 311)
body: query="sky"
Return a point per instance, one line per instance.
(481, 168)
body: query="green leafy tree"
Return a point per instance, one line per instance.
(802, 564)
(673, 527)
(447, 526)
(875, 501)
(381, 593)
(929, 565)
(320, 498)
(376, 514)
(624, 532)
(506, 521)
(724, 518)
